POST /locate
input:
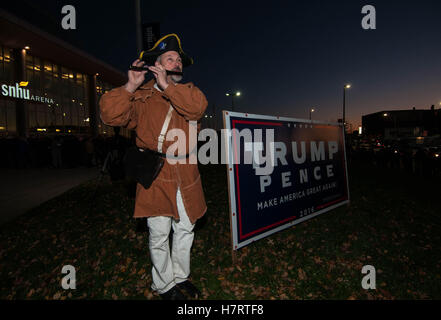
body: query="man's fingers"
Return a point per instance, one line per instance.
(153, 69)
(138, 63)
(156, 69)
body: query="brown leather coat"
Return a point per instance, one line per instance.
(145, 111)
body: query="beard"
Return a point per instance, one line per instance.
(176, 78)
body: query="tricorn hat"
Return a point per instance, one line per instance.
(170, 42)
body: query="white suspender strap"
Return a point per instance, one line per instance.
(161, 137)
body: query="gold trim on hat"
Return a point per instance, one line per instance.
(159, 41)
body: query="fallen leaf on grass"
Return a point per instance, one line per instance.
(302, 274)
(30, 293)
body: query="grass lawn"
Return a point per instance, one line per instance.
(393, 224)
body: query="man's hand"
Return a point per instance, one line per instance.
(136, 78)
(160, 74)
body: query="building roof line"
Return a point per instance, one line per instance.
(399, 110)
(31, 28)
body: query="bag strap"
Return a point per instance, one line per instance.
(161, 137)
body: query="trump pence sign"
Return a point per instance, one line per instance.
(281, 171)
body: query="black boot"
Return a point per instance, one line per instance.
(189, 288)
(173, 294)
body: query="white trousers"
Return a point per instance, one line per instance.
(170, 268)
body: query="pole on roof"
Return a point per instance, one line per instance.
(138, 25)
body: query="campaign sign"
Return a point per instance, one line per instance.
(281, 171)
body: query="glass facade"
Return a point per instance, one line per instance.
(58, 98)
(67, 110)
(7, 107)
(101, 88)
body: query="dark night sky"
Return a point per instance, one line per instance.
(284, 57)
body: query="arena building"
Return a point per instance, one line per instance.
(47, 85)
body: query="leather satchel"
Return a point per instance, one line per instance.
(144, 165)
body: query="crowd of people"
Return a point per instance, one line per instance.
(422, 160)
(68, 151)
(61, 151)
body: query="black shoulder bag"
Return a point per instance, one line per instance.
(144, 165)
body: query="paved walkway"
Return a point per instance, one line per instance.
(22, 190)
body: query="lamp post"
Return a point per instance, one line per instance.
(345, 87)
(237, 94)
(310, 113)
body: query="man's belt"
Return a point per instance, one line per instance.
(166, 156)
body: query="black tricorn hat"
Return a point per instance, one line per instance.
(170, 42)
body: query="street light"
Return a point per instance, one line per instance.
(346, 86)
(310, 113)
(237, 94)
